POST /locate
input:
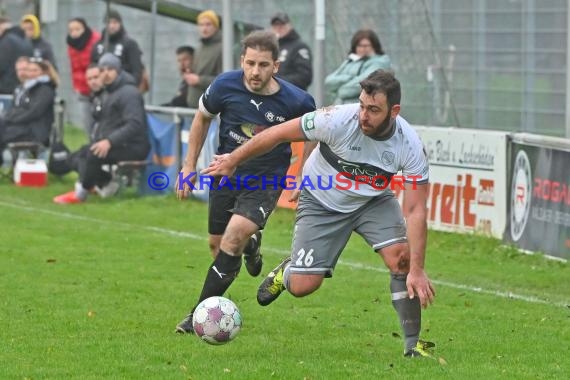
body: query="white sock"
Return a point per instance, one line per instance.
(80, 192)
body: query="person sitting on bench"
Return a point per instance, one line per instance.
(31, 116)
(120, 135)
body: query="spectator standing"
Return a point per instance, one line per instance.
(184, 58)
(13, 44)
(207, 62)
(80, 41)
(121, 45)
(295, 56)
(42, 49)
(365, 56)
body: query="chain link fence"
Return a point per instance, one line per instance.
(484, 64)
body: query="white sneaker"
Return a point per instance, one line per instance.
(108, 190)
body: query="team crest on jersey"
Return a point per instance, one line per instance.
(271, 117)
(251, 130)
(387, 158)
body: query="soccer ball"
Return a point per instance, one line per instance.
(216, 320)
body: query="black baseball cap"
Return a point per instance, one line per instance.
(280, 18)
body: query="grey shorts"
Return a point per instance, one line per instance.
(321, 234)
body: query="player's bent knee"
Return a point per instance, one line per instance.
(397, 258)
(303, 285)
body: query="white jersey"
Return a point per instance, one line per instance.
(348, 168)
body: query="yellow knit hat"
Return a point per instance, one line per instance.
(34, 20)
(212, 16)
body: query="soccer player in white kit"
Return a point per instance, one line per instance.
(346, 187)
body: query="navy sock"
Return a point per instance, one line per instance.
(221, 274)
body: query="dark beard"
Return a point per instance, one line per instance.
(386, 128)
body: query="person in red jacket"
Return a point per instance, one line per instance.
(80, 41)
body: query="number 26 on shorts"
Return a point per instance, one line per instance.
(304, 258)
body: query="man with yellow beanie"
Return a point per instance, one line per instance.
(42, 49)
(207, 62)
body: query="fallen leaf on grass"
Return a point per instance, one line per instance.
(90, 314)
(50, 261)
(442, 361)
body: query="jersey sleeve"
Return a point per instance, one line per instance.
(211, 100)
(322, 125)
(416, 166)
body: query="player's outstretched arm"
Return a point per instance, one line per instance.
(196, 138)
(308, 148)
(415, 211)
(259, 144)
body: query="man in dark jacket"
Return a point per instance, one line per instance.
(121, 45)
(120, 135)
(96, 90)
(184, 58)
(31, 116)
(295, 56)
(13, 44)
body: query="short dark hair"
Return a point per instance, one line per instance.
(370, 36)
(92, 65)
(382, 81)
(4, 20)
(185, 49)
(261, 40)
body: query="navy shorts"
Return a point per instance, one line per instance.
(254, 202)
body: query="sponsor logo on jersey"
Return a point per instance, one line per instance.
(308, 121)
(257, 105)
(251, 130)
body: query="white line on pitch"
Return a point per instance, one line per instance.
(190, 235)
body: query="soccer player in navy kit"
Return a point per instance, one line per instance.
(248, 101)
(365, 144)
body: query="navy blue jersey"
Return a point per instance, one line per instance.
(243, 114)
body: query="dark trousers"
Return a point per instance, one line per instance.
(9, 134)
(89, 166)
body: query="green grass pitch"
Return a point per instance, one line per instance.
(93, 291)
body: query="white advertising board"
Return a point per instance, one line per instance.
(468, 179)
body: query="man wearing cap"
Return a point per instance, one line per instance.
(207, 63)
(121, 45)
(120, 135)
(295, 56)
